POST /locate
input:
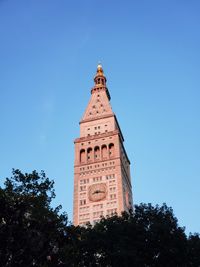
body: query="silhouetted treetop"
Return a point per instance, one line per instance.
(32, 233)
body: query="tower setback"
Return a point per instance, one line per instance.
(102, 181)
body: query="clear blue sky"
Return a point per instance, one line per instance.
(150, 51)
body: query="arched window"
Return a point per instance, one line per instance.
(104, 152)
(111, 150)
(82, 156)
(96, 153)
(89, 154)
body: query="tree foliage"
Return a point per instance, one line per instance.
(30, 230)
(32, 233)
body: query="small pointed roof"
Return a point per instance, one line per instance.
(99, 104)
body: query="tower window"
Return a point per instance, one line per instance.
(82, 202)
(82, 156)
(104, 151)
(89, 153)
(111, 150)
(97, 152)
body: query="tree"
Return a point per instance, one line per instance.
(30, 230)
(194, 250)
(148, 237)
(32, 233)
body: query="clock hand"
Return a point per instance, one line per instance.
(98, 191)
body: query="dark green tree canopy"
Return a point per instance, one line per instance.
(32, 233)
(30, 230)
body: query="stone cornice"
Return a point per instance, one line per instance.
(97, 118)
(96, 136)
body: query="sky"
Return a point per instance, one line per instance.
(49, 50)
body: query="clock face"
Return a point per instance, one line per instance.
(97, 192)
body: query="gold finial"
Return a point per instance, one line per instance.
(100, 79)
(99, 68)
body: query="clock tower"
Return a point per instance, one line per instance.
(102, 181)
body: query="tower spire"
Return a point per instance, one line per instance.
(100, 81)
